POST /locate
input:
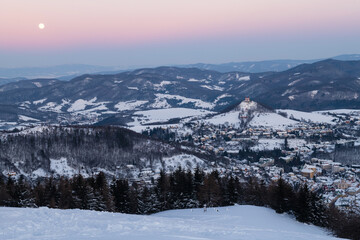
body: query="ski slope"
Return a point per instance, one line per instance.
(237, 222)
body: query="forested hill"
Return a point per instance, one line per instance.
(66, 151)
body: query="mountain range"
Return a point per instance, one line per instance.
(69, 71)
(266, 66)
(65, 72)
(326, 84)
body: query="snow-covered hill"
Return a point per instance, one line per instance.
(253, 114)
(238, 222)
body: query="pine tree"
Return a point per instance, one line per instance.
(22, 195)
(198, 181)
(303, 205)
(318, 210)
(286, 144)
(51, 193)
(4, 196)
(65, 191)
(281, 196)
(80, 192)
(39, 194)
(146, 201)
(162, 191)
(121, 193)
(210, 191)
(102, 193)
(10, 189)
(231, 193)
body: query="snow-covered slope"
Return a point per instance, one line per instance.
(230, 118)
(253, 114)
(316, 117)
(163, 115)
(238, 222)
(271, 120)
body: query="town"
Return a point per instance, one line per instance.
(322, 155)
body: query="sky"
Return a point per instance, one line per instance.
(164, 32)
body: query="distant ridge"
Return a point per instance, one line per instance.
(69, 71)
(267, 65)
(327, 84)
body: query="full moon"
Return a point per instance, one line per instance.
(41, 26)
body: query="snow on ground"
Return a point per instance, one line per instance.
(313, 93)
(340, 111)
(50, 106)
(26, 118)
(39, 101)
(93, 111)
(133, 88)
(81, 104)
(129, 105)
(230, 118)
(160, 103)
(39, 173)
(291, 98)
(162, 84)
(163, 115)
(6, 124)
(270, 144)
(222, 96)
(38, 84)
(54, 107)
(185, 161)
(196, 80)
(217, 88)
(140, 128)
(61, 167)
(308, 116)
(294, 82)
(246, 106)
(243, 78)
(272, 120)
(36, 129)
(228, 223)
(184, 100)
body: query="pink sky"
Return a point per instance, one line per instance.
(147, 32)
(72, 23)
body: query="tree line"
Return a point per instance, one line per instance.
(178, 190)
(83, 147)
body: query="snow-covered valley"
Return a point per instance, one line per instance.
(237, 222)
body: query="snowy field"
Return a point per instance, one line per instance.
(163, 115)
(270, 144)
(271, 120)
(238, 222)
(340, 111)
(230, 118)
(317, 117)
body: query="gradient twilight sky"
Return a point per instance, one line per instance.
(164, 32)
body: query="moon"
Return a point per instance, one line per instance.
(41, 26)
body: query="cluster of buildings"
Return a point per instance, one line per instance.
(313, 143)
